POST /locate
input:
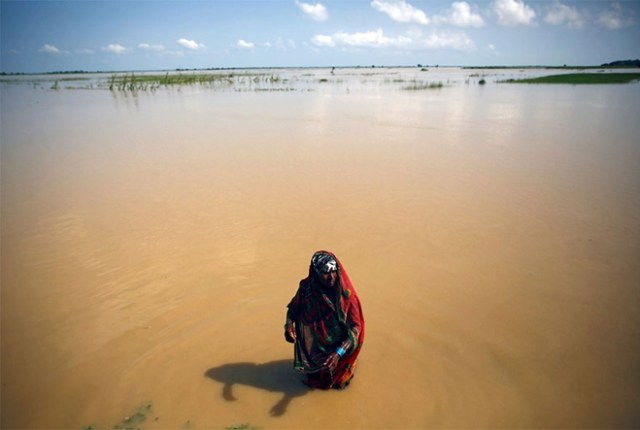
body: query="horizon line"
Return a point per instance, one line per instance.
(373, 66)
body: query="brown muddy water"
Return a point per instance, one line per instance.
(151, 241)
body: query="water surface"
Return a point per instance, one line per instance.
(151, 241)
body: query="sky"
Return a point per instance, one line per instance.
(119, 35)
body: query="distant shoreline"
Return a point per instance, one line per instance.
(625, 64)
(579, 78)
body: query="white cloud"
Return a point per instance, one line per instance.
(245, 45)
(85, 51)
(370, 39)
(284, 44)
(190, 44)
(400, 11)
(317, 12)
(560, 14)
(49, 49)
(323, 40)
(614, 18)
(148, 47)
(457, 41)
(377, 39)
(461, 15)
(115, 48)
(513, 12)
(281, 44)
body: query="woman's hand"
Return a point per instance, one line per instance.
(332, 361)
(290, 332)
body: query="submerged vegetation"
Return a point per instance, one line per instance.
(580, 78)
(133, 421)
(137, 419)
(276, 80)
(240, 427)
(416, 86)
(151, 82)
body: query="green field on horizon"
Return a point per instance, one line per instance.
(580, 78)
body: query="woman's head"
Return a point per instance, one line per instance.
(325, 268)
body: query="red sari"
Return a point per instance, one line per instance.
(326, 320)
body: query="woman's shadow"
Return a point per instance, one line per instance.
(275, 376)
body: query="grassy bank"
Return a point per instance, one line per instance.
(580, 78)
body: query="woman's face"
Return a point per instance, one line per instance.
(328, 279)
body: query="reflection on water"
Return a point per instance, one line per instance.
(151, 243)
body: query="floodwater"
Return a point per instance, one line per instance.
(151, 241)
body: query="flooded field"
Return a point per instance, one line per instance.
(152, 237)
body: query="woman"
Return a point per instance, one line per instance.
(325, 322)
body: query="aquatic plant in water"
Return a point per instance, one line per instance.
(416, 86)
(136, 420)
(133, 421)
(151, 82)
(240, 427)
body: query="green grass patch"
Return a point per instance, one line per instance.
(240, 427)
(417, 86)
(143, 82)
(133, 82)
(131, 422)
(580, 78)
(142, 415)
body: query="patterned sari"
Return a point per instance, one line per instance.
(326, 319)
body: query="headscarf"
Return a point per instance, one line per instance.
(323, 262)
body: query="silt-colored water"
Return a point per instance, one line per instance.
(150, 244)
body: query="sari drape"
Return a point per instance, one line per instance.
(326, 319)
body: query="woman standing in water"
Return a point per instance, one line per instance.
(325, 322)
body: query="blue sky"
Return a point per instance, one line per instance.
(40, 36)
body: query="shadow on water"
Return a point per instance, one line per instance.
(275, 376)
